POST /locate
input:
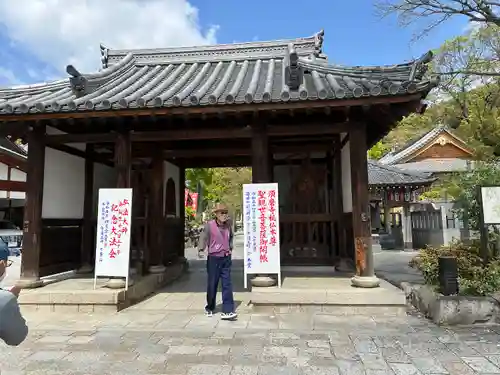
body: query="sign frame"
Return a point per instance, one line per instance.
(107, 199)
(485, 203)
(251, 219)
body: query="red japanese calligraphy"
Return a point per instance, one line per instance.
(272, 217)
(120, 226)
(262, 208)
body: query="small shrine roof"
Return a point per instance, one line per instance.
(444, 165)
(379, 174)
(244, 73)
(399, 156)
(11, 148)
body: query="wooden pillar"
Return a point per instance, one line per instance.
(182, 211)
(261, 169)
(123, 160)
(338, 205)
(261, 173)
(156, 213)
(32, 226)
(88, 235)
(365, 273)
(123, 166)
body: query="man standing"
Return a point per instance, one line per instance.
(13, 328)
(217, 237)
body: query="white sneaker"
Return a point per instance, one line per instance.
(228, 316)
(209, 313)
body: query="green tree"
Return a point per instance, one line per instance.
(227, 186)
(429, 14)
(378, 150)
(462, 187)
(467, 100)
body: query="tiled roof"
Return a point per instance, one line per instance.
(276, 71)
(12, 149)
(437, 165)
(379, 174)
(395, 157)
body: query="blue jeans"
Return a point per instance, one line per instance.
(219, 268)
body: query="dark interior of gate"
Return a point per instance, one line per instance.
(277, 106)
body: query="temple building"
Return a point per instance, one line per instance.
(148, 114)
(439, 151)
(434, 154)
(12, 183)
(391, 188)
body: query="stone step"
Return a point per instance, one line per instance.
(77, 294)
(337, 297)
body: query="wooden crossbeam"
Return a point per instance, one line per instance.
(7, 185)
(202, 134)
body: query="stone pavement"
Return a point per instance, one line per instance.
(168, 334)
(301, 342)
(392, 265)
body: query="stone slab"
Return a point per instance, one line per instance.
(327, 291)
(78, 294)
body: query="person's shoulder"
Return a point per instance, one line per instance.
(6, 297)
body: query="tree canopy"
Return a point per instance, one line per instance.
(223, 185)
(468, 97)
(432, 13)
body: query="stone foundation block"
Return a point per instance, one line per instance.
(452, 310)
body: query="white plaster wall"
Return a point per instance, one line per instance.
(17, 175)
(171, 171)
(104, 178)
(4, 170)
(64, 185)
(346, 178)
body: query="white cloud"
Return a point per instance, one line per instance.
(9, 76)
(61, 32)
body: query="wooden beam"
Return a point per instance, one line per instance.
(14, 162)
(261, 169)
(87, 247)
(233, 108)
(81, 154)
(361, 204)
(32, 226)
(200, 162)
(202, 134)
(9, 185)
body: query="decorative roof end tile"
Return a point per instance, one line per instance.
(77, 81)
(294, 73)
(104, 56)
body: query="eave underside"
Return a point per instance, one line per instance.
(223, 138)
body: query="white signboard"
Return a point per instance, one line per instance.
(491, 204)
(113, 233)
(262, 231)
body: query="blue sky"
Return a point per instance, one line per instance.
(354, 35)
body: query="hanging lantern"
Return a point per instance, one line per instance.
(407, 195)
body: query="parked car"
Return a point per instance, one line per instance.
(12, 236)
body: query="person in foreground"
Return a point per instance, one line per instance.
(13, 328)
(217, 237)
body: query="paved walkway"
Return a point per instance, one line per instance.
(393, 267)
(168, 334)
(186, 342)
